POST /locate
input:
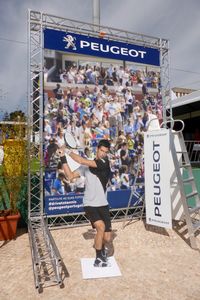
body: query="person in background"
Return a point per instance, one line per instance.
(124, 177)
(58, 185)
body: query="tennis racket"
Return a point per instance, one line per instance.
(70, 141)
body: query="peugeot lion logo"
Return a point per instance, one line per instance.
(70, 40)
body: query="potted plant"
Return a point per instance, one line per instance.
(12, 176)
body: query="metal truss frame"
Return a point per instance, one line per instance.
(165, 80)
(80, 219)
(37, 22)
(35, 120)
(48, 267)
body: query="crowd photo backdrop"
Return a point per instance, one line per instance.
(97, 89)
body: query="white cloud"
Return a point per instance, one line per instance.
(176, 20)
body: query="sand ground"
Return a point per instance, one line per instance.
(155, 264)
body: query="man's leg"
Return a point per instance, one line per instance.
(97, 223)
(94, 215)
(100, 260)
(100, 228)
(107, 248)
(107, 237)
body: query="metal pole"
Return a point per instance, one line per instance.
(29, 111)
(96, 12)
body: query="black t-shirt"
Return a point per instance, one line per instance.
(102, 171)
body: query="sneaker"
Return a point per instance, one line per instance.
(100, 262)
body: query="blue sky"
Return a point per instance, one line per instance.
(176, 20)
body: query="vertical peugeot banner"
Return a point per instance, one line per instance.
(157, 178)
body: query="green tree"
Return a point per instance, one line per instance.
(17, 116)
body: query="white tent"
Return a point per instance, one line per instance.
(187, 99)
(188, 104)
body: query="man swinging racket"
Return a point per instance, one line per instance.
(95, 203)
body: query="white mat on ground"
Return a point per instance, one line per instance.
(89, 271)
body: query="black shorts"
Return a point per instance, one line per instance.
(99, 213)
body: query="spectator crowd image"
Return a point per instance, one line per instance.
(94, 102)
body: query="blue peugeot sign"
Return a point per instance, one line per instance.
(88, 45)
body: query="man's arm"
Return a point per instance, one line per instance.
(67, 171)
(70, 175)
(82, 161)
